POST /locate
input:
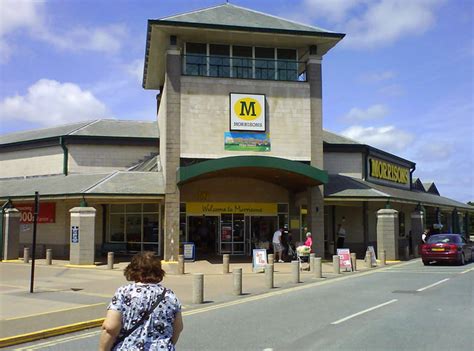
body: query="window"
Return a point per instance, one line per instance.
(137, 225)
(242, 62)
(264, 63)
(286, 64)
(219, 60)
(196, 60)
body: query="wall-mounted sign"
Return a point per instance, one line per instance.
(46, 213)
(247, 112)
(208, 208)
(388, 171)
(237, 141)
(74, 234)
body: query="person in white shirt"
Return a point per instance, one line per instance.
(277, 246)
(341, 236)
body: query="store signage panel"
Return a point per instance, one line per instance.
(238, 141)
(46, 213)
(247, 112)
(75, 234)
(216, 208)
(389, 172)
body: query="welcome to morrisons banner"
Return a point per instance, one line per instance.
(388, 173)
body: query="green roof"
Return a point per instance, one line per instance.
(96, 128)
(230, 15)
(341, 187)
(115, 183)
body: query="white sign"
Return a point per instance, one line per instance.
(247, 112)
(74, 234)
(374, 258)
(189, 251)
(345, 259)
(259, 259)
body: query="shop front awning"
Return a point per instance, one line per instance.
(290, 174)
(343, 188)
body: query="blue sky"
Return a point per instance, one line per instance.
(401, 80)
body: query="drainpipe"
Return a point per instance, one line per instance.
(6, 205)
(65, 155)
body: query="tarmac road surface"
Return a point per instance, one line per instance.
(403, 307)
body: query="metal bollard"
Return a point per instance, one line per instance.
(383, 261)
(295, 272)
(49, 257)
(198, 288)
(368, 259)
(110, 260)
(237, 274)
(271, 259)
(336, 268)
(26, 255)
(180, 264)
(312, 256)
(225, 263)
(269, 277)
(353, 261)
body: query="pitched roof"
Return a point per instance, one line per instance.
(230, 15)
(115, 183)
(347, 187)
(96, 128)
(332, 138)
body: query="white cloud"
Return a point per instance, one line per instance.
(392, 90)
(371, 113)
(135, 70)
(16, 15)
(375, 77)
(50, 103)
(30, 16)
(387, 138)
(372, 23)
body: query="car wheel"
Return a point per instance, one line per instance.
(462, 260)
(426, 263)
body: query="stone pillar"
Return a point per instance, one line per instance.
(417, 220)
(387, 233)
(82, 235)
(11, 243)
(170, 140)
(316, 194)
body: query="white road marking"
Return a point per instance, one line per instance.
(59, 341)
(467, 270)
(364, 311)
(434, 284)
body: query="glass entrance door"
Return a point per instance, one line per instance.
(232, 235)
(261, 229)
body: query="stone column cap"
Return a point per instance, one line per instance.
(83, 210)
(12, 211)
(387, 211)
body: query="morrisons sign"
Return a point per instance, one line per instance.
(389, 171)
(247, 112)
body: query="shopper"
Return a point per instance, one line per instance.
(341, 236)
(143, 315)
(277, 245)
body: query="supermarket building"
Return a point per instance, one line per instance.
(237, 151)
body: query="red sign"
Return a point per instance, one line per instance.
(344, 258)
(46, 214)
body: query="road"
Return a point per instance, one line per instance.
(403, 307)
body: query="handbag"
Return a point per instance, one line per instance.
(141, 321)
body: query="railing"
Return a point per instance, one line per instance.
(245, 68)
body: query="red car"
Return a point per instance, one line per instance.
(447, 248)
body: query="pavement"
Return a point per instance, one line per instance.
(70, 298)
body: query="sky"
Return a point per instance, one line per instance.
(401, 80)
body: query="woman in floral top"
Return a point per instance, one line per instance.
(131, 302)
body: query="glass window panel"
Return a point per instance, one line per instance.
(238, 248)
(286, 54)
(196, 48)
(134, 228)
(117, 208)
(268, 53)
(151, 247)
(219, 61)
(226, 228)
(134, 208)
(282, 208)
(239, 228)
(150, 208)
(196, 64)
(242, 61)
(150, 228)
(264, 63)
(117, 226)
(282, 220)
(242, 51)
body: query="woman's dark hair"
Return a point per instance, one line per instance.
(145, 267)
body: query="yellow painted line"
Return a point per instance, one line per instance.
(17, 260)
(59, 341)
(80, 265)
(467, 270)
(55, 311)
(46, 333)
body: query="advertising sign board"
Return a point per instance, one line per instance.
(189, 251)
(345, 259)
(46, 213)
(247, 112)
(259, 259)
